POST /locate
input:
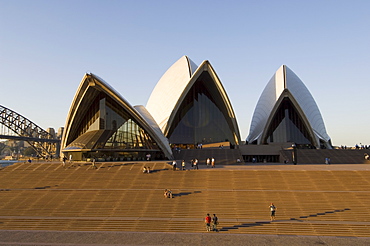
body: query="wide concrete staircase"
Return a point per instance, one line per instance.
(221, 156)
(119, 197)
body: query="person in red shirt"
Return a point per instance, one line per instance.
(207, 220)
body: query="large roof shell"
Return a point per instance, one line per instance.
(168, 90)
(206, 66)
(282, 81)
(173, 87)
(92, 84)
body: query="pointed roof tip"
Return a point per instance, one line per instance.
(185, 57)
(190, 62)
(205, 62)
(283, 66)
(286, 67)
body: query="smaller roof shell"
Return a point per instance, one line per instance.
(89, 85)
(285, 80)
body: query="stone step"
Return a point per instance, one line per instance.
(49, 197)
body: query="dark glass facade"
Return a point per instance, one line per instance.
(109, 132)
(202, 116)
(287, 126)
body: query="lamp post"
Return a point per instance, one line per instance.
(294, 154)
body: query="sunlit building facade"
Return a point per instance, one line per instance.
(102, 124)
(191, 106)
(187, 108)
(287, 112)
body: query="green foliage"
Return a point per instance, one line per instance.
(29, 151)
(2, 146)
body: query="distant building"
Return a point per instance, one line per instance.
(51, 131)
(101, 124)
(287, 112)
(60, 132)
(191, 106)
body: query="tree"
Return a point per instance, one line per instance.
(29, 151)
(2, 146)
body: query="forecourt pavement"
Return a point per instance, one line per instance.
(117, 204)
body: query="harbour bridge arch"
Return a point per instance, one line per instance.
(18, 127)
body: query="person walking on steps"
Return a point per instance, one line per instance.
(93, 163)
(64, 161)
(196, 164)
(272, 210)
(214, 223)
(207, 221)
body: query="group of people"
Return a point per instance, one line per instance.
(194, 163)
(168, 193)
(146, 169)
(211, 223)
(361, 146)
(64, 161)
(210, 162)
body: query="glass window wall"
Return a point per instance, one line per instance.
(287, 126)
(202, 116)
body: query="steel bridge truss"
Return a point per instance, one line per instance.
(41, 141)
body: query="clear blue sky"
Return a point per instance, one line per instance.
(47, 46)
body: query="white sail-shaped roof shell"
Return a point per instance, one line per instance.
(91, 84)
(149, 119)
(169, 89)
(174, 85)
(286, 80)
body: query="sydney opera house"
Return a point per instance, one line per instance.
(188, 108)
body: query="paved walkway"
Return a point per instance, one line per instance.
(57, 238)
